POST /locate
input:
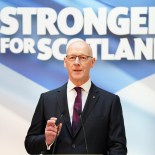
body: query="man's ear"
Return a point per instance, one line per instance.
(93, 62)
(65, 62)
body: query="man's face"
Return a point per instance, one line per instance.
(78, 62)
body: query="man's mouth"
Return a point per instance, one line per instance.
(77, 70)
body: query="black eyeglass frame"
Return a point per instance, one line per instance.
(82, 58)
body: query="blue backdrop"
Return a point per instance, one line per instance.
(23, 77)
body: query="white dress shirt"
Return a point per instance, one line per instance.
(71, 95)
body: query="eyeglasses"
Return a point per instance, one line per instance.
(82, 58)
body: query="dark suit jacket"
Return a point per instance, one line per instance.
(102, 118)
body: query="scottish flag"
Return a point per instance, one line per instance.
(23, 77)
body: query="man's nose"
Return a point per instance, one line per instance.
(77, 61)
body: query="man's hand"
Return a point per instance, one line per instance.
(51, 130)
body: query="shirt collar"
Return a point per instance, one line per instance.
(86, 86)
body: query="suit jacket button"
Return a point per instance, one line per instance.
(73, 146)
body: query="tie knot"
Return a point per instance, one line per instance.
(78, 89)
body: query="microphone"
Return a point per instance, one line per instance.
(58, 121)
(84, 133)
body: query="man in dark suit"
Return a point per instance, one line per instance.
(99, 119)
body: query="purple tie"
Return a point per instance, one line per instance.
(77, 109)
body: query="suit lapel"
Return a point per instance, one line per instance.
(63, 106)
(90, 103)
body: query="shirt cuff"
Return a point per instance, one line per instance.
(49, 146)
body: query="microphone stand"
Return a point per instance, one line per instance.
(55, 143)
(57, 123)
(84, 133)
